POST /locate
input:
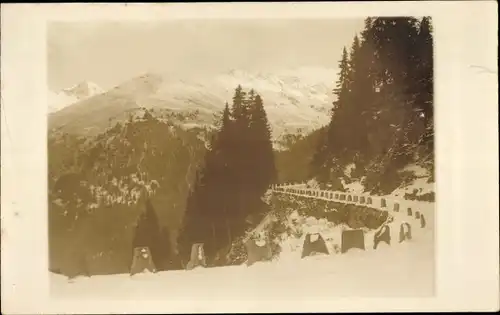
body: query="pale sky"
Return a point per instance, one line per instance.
(110, 53)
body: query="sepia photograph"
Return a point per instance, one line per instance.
(200, 149)
(249, 157)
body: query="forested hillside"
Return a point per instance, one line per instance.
(99, 186)
(382, 118)
(293, 164)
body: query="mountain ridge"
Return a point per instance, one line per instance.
(296, 100)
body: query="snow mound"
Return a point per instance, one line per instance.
(419, 185)
(355, 187)
(419, 171)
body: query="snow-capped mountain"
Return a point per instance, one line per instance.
(59, 100)
(84, 90)
(296, 100)
(69, 96)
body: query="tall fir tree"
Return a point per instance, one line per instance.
(357, 101)
(425, 63)
(261, 147)
(225, 157)
(426, 80)
(343, 84)
(353, 60)
(239, 100)
(241, 150)
(192, 229)
(332, 145)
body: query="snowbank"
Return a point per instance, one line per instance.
(399, 270)
(419, 185)
(353, 187)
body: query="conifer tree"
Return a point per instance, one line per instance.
(189, 232)
(360, 101)
(226, 170)
(240, 150)
(425, 68)
(239, 98)
(263, 171)
(331, 145)
(426, 80)
(148, 233)
(343, 82)
(352, 61)
(210, 205)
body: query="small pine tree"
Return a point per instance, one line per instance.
(147, 115)
(343, 83)
(238, 109)
(147, 233)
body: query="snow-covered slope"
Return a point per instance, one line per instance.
(69, 96)
(420, 185)
(399, 270)
(59, 100)
(296, 100)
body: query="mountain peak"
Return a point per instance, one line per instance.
(71, 95)
(83, 90)
(144, 84)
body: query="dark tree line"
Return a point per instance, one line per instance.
(238, 169)
(382, 117)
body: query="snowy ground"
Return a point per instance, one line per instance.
(399, 270)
